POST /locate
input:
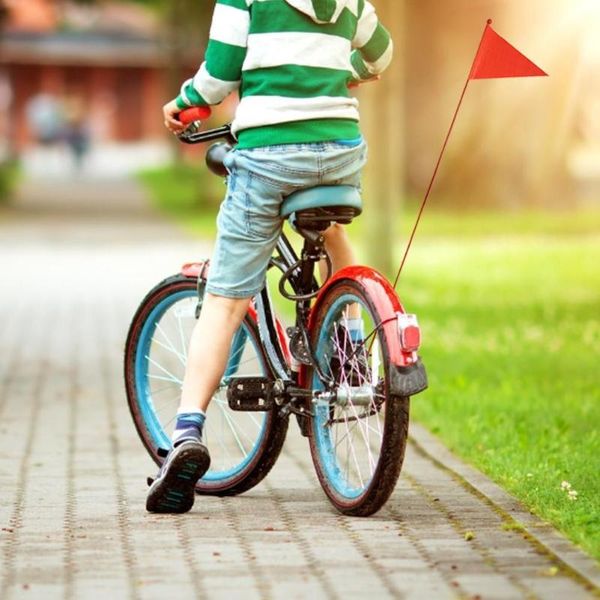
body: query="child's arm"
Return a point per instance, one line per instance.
(221, 72)
(372, 45)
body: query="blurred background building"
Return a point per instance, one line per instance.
(111, 65)
(107, 58)
(93, 74)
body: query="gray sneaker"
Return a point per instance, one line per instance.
(173, 490)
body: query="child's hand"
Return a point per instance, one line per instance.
(170, 112)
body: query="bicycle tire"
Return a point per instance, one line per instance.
(325, 450)
(271, 437)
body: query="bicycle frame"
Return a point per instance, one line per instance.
(290, 359)
(272, 333)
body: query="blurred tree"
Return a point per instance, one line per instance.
(187, 24)
(187, 27)
(3, 14)
(383, 118)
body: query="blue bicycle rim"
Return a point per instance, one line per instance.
(144, 396)
(322, 433)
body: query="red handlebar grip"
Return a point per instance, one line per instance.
(197, 113)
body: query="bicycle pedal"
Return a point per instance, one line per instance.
(251, 394)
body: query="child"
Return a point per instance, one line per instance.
(297, 127)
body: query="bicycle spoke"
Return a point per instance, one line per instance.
(219, 438)
(170, 345)
(181, 338)
(159, 343)
(173, 377)
(353, 453)
(245, 362)
(233, 356)
(344, 352)
(254, 420)
(364, 436)
(233, 431)
(155, 392)
(167, 404)
(346, 434)
(170, 420)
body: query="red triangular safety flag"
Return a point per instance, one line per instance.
(497, 58)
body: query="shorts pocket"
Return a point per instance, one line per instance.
(261, 209)
(262, 227)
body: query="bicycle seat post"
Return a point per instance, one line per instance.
(312, 252)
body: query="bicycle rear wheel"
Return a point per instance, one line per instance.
(244, 446)
(357, 440)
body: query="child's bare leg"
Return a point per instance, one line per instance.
(209, 349)
(173, 489)
(339, 249)
(342, 255)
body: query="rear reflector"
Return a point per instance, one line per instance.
(410, 333)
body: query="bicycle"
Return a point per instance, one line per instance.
(350, 396)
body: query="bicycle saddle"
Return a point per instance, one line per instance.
(318, 207)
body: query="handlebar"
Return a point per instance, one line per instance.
(193, 135)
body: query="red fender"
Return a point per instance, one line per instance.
(200, 269)
(386, 302)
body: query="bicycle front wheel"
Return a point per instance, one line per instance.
(358, 435)
(244, 446)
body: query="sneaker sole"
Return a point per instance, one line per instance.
(175, 491)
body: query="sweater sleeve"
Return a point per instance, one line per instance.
(373, 46)
(221, 72)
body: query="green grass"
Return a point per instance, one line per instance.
(509, 305)
(501, 223)
(9, 176)
(188, 194)
(511, 332)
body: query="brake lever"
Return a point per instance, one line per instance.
(187, 135)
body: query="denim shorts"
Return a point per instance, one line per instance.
(249, 223)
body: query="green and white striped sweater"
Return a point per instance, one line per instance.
(292, 61)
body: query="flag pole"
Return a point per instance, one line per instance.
(437, 165)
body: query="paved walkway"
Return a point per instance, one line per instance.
(75, 260)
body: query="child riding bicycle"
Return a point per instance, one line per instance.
(296, 127)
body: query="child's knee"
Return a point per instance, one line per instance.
(235, 308)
